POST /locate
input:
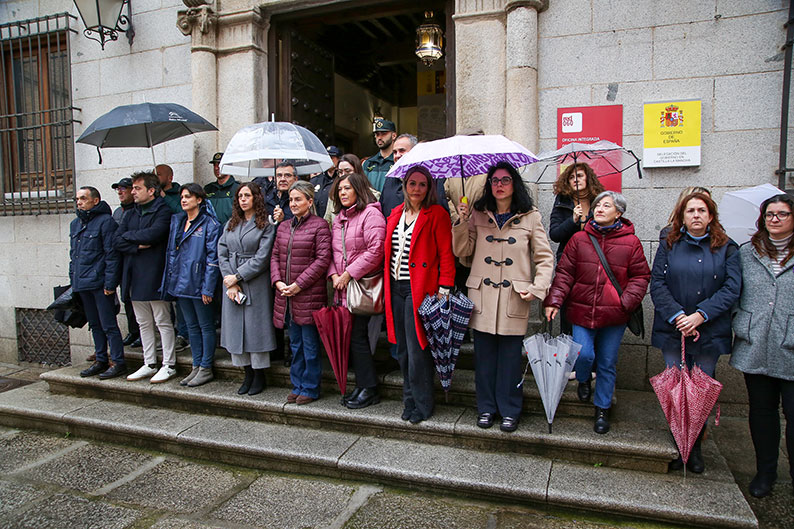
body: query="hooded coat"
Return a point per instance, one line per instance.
(191, 269)
(93, 261)
(582, 284)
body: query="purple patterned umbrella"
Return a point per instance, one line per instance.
(462, 156)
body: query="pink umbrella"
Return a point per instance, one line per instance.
(687, 398)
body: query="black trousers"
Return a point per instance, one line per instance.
(100, 311)
(361, 354)
(416, 364)
(132, 323)
(498, 370)
(765, 394)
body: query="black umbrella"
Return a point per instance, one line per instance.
(143, 125)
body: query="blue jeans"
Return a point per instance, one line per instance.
(599, 346)
(179, 322)
(200, 320)
(707, 362)
(100, 311)
(306, 368)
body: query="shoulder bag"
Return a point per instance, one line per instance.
(636, 321)
(365, 295)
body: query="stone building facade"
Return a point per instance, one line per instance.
(509, 66)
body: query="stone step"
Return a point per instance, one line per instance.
(640, 443)
(711, 499)
(390, 381)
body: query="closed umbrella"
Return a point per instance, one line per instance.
(334, 325)
(254, 150)
(445, 323)
(739, 210)
(552, 360)
(687, 398)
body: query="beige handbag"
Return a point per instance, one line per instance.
(365, 295)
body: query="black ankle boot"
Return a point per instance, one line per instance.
(249, 376)
(601, 424)
(259, 383)
(695, 462)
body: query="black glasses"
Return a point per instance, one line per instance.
(505, 180)
(284, 175)
(782, 216)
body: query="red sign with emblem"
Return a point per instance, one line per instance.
(589, 125)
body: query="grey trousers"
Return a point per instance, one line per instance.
(255, 360)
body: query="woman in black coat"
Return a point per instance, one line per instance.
(696, 279)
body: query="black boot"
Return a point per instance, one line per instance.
(584, 391)
(695, 462)
(601, 424)
(259, 382)
(249, 377)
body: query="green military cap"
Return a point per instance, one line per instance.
(383, 125)
(216, 158)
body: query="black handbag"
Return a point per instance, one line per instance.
(636, 321)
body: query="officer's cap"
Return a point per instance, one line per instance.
(124, 182)
(216, 158)
(383, 125)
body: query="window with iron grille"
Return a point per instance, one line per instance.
(36, 116)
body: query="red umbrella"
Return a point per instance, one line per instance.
(334, 324)
(687, 398)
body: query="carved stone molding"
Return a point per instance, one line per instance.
(537, 5)
(201, 18)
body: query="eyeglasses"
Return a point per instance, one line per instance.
(782, 216)
(505, 180)
(284, 175)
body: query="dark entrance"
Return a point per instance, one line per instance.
(333, 68)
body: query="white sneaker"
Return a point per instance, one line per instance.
(144, 372)
(165, 373)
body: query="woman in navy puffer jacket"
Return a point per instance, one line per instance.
(191, 274)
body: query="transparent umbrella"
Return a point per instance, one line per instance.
(739, 210)
(255, 150)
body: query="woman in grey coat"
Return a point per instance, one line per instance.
(247, 317)
(763, 327)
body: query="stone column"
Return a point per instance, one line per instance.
(521, 76)
(200, 22)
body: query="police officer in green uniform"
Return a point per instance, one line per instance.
(221, 193)
(376, 167)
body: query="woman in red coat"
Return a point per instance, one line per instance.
(598, 314)
(419, 262)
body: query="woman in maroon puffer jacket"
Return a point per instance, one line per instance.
(300, 259)
(598, 314)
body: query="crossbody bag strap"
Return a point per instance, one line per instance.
(604, 263)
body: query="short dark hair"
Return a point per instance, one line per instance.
(286, 163)
(194, 190)
(431, 197)
(353, 160)
(150, 179)
(94, 192)
(360, 185)
(521, 202)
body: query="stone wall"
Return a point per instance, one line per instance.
(725, 53)
(156, 68)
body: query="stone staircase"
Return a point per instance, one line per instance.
(621, 473)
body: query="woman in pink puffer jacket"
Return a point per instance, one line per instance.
(359, 230)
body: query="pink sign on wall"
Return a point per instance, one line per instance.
(589, 125)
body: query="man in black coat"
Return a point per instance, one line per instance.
(124, 189)
(94, 272)
(322, 182)
(142, 239)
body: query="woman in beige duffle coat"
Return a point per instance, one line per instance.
(505, 235)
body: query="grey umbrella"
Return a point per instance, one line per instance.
(143, 125)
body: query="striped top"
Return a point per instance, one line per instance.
(400, 248)
(781, 246)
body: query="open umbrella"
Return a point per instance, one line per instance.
(687, 398)
(445, 323)
(551, 359)
(608, 160)
(739, 210)
(462, 156)
(143, 125)
(254, 150)
(334, 325)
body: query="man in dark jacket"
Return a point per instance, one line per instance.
(278, 199)
(168, 188)
(221, 192)
(124, 189)
(94, 272)
(322, 182)
(142, 238)
(376, 166)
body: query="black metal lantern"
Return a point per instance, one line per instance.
(429, 40)
(104, 19)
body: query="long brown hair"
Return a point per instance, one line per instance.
(760, 239)
(360, 185)
(563, 185)
(430, 197)
(260, 212)
(715, 230)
